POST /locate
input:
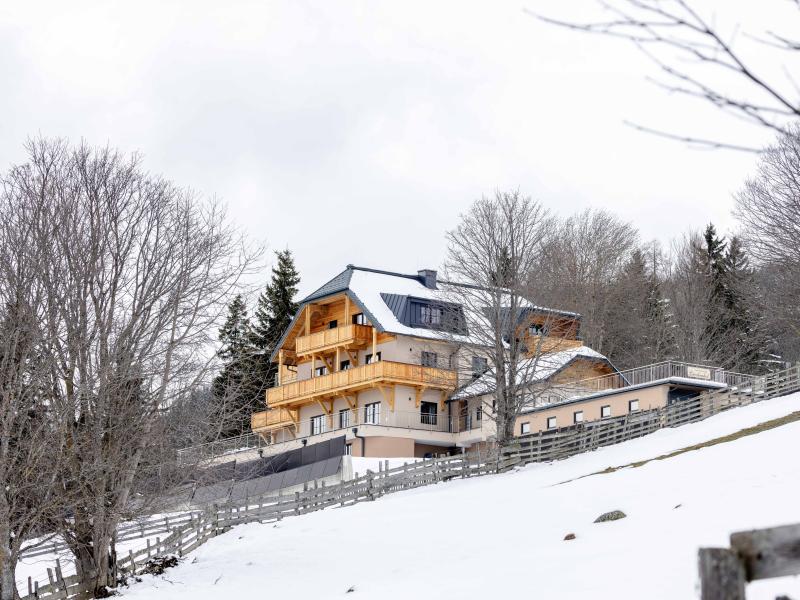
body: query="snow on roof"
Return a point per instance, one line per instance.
(548, 365)
(367, 287)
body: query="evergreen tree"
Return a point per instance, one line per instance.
(236, 387)
(275, 310)
(745, 330)
(733, 337)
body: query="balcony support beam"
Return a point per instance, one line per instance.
(353, 357)
(388, 395)
(327, 362)
(374, 343)
(418, 396)
(443, 399)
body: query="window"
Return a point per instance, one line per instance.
(348, 449)
(344, 418)
(369, 360)
(320, 371)
(535, 329)
(605, 411)
(317, 425)
(372, 413)
(359, 319)
(427, 413)
(344, 365)
(633, 406)
(551, 423)
(333, 324)
(479, 413)
(577, 416)
(479, 365)
(430, 315)
(429, 359)
(525, 428)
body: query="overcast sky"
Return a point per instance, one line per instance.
(356, 132)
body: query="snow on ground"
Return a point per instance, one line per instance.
(36, 567)
(502, 536)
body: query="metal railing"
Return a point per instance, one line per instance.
(339, 421)
(649, 374)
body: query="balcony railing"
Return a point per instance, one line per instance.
(345, 420)
(274, 418)
(648, 374)
(362, 377)
(347, 335)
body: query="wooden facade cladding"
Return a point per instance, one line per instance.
(358, 378)
(274, 419)
(550, 344)
(346, 336)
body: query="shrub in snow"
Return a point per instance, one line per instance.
(614, 515)
(569, 536)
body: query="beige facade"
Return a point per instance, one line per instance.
(616, 404)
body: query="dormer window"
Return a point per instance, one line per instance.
(431, 315)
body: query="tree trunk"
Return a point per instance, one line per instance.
(8, 586)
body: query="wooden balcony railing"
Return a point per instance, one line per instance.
(360, 378)
(273, 418)
(347, 335)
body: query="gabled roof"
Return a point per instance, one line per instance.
(366, 287)
(548, 366)
(334, 286)
(383, 298)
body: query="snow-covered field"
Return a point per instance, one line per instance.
(502, 536)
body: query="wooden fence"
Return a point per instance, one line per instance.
(560, 443)
(191, 531)
(753, 555)
(185, 533)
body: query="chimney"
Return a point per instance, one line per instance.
(428, 278)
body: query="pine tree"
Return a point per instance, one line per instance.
(235, 388)
(275, 310)
(745, 331)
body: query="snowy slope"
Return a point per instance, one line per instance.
(502, 536)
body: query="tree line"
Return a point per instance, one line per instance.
(706, 298)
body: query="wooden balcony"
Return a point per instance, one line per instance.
(358, 378)
(273, 418)
(327, 339)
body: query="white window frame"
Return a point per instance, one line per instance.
(633, 405)
(603, 414)
(575, 418)
(345, 418)
(552, 423)
(372, 413)
(318, 424)
(525, 428)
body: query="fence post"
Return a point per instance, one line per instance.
(721, 575)
(370, 492)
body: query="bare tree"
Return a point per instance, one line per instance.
(768, 209)
(30, 495)
(579, 263)
(491, 255)
(732, 67)
(138, 272)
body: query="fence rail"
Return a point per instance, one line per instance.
(192, 530)
(753, 555)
